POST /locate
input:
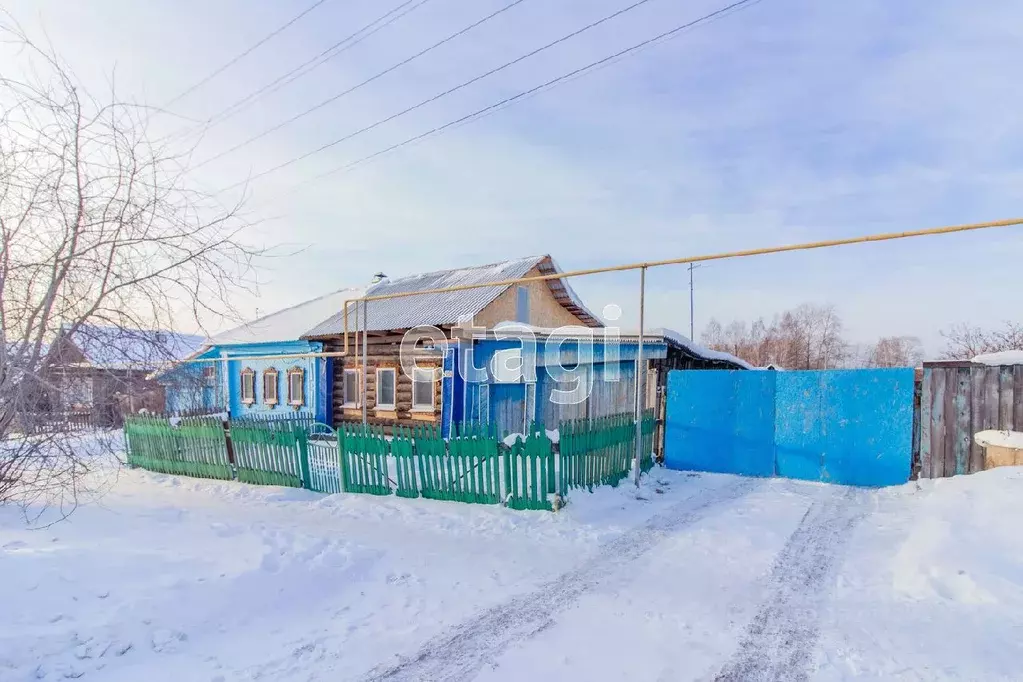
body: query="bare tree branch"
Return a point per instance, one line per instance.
(99, 225)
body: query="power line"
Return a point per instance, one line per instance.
(436, 97)
(317, 61)
(735, 6)
(216, 72)
(341, 94)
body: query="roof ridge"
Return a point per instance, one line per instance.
(536, 258)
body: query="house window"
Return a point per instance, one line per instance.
(422, 389)
(296, 386)
(351, 388)
(248, 386)
(385, 388)
(209, 375)
(270, 386)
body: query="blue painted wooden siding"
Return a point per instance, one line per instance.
(843, 426)
(609, 370)
(250, 357)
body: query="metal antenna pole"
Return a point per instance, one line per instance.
(640, 377)
(365, 371)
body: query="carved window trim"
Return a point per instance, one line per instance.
(271, 386)
(248, 386)
(296, 398)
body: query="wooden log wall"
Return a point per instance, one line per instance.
(383, 350)
(957, 400)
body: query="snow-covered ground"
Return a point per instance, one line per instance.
(706, 577)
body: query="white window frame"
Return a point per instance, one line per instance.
(348, 376)
(394, 388)
(276, 398)
(299, 399)
(422, 407)
(247, 374)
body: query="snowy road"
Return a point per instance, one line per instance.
(712, 578)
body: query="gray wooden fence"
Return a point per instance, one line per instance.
(957, 400)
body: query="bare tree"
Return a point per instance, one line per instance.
(99, 225)
(963, 342)
(808, 337)
(894, 351)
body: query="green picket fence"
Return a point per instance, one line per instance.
(472, 466)
(602, 451)
(470, 472)
(529, 472)
(364, 451)
(268, 455)
(465, 468)
(646, 462)
(404, 453)
(191, 446)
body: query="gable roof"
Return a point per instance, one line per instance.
(111, 347)
(448, 307)
(288, 324)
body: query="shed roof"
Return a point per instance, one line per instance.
(693, 348)
(448, 307)
(288, 324)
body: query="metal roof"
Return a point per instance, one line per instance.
(447, 307)
(287, 324)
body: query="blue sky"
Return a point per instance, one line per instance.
(789, 121)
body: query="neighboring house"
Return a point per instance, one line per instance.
(104, 371)
(393, 398)
(260, 368)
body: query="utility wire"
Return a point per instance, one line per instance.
(436, 97)
(355, 87)
(216, 72)
(485, 111)
(315, 62)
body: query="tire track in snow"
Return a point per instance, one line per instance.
(460, 652)
(779, 642)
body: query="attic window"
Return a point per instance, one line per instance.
(296, 386)
(248, 387)
(270, 386)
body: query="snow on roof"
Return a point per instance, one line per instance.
(447, 307)
(1005, 357)
(288, 324)
(701, 351)
(112, 347)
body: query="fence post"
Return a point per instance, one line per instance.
(302, 436)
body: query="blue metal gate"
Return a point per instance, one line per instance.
(841, 426)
